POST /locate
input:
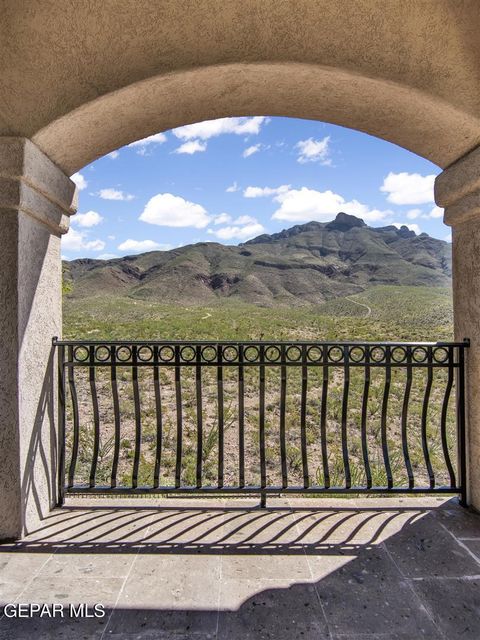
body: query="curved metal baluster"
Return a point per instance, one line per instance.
(159, 416)
(178, 401)
(346, 386)
(406, 398)
(220, 415)
(366, 389)
(116, 414)
(60, 454)
(283, 395)
(303, 418)
(76, 422)
(443, 421)
(426, 399)
(263, 470)
(323, 419)
(198, 385)
(96, 417)
(241, 419)
(138, 420)
(386, 392)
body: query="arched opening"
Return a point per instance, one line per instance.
(328, 266)
(408, 116)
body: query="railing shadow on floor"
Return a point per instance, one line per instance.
(213, 529)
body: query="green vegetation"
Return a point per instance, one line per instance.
(397, 313)
(379, 313)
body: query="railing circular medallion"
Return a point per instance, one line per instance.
(124, 353)
(251, 353)
(102, 353)
(187, 353)
(293, 353)
(81, 353)
(335, 354)
(230, 353)
(441, 355)
(356, 354)
(378, 354)
(209, 353)
(314, 354)
(272, 353)
(145, 353)
(399, 354)
(166, 353)
(420, 354)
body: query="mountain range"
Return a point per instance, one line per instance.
(306, 264)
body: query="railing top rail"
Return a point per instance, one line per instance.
(66, 343)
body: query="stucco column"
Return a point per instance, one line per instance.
(457, 189)
(36, 200)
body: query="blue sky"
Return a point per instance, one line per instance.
(231, 179)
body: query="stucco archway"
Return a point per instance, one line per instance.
(79, 80)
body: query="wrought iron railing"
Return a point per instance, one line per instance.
(261, 417)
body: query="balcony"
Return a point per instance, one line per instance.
(247, 490)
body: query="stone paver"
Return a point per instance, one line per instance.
(369, 569)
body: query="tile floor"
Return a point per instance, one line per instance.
(173, 569)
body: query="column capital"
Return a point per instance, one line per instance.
(31, 183)
(457, 189)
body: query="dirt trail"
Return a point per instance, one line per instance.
(369, 310)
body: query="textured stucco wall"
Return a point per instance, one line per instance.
(36, 199)
(466, 299)
(458, 190)
(81, 78)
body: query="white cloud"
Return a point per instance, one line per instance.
(193, 146)
(412, 227)
(107, 256)
(258, 192)
(211, 128)
(249, 151)
(413, 214)
(79, 180)
(408, 188)
(88, 219)
(232, 188)
(243, 228)
(314, 151)
(111, 237)
(113, 155)
(173, 211)
(223, 218)
(245, 220)
(448, 237)
(303, 205)
(76, 241)
(436, 212)
(114, 194)
(143, 144)
(137, 246)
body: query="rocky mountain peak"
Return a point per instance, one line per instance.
(344, 222)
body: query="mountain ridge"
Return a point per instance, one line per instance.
(304, 264)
